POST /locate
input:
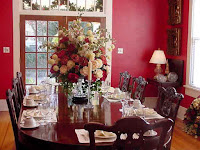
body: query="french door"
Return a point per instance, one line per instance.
(39, 30)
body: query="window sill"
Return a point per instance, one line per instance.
(192, 91)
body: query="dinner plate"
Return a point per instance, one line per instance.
(25, 127)
(104, 134)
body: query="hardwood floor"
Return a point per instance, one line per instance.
(6, 133)
(181, 141)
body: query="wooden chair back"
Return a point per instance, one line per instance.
(138, 88)
(124, 81)
(11, 107)
(133, 129)
(18, 98)
(21, 84)
(168, 102)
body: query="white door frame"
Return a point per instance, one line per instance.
(17, 11)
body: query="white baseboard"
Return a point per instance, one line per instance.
(181, 112)
(3, 105)
(152, 101)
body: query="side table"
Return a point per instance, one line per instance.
(163, 84)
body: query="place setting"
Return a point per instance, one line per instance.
(117, 95)
(100, 136)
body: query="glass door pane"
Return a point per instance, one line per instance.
(38, 31)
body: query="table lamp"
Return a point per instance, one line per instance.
(158, 58)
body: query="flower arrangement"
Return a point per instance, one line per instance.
(76, 47)
(192, 118)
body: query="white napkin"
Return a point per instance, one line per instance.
(83, 137)
(49, 117)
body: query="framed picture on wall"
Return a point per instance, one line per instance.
(175, 12)
(174, 41)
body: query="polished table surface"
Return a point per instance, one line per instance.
(70, 117)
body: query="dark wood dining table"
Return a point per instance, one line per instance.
(61, 135)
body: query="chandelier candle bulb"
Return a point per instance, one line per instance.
(89, 71)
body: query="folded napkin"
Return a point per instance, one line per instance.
(83, 137)
(40, 117)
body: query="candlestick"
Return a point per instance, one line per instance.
(89, 71)
(89, 104)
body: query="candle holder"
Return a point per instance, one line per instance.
(89, 104)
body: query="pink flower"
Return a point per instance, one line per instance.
(75, 58)
(61, 54)
(64, 60)
(87, 40)
(64, 39)
(83, 61)
(102, 49)
(103, 58)
(71, 47)
(104, 76)
(76, 68)
(72, 77)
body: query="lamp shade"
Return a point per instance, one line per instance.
(158, 57)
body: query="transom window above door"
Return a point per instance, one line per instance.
(64, 5)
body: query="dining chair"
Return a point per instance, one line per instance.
(129, 133)
(138, 88)
(11, 107)
(167, 106)
(124, 81)
(18, 98)
(21, 84)
(168, 102)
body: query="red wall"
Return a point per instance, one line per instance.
(139, 26)
(6, 40)
(184, 26)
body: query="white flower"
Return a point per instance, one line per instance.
(55, 68)
(82, 53)
(63, 69)
(100, 63)
(110, 49)
(90, 33)
(70, 64)
(98, 54)
(71, 38)
(80, 38)
(98, 73)
(85, 46)
(90, 55)
(88, 25)
(84, 71)
(94, 65)
(108, 57)
(113, 46)
(107, 68)
(91, 39)
(54, 56)
(51, 61)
